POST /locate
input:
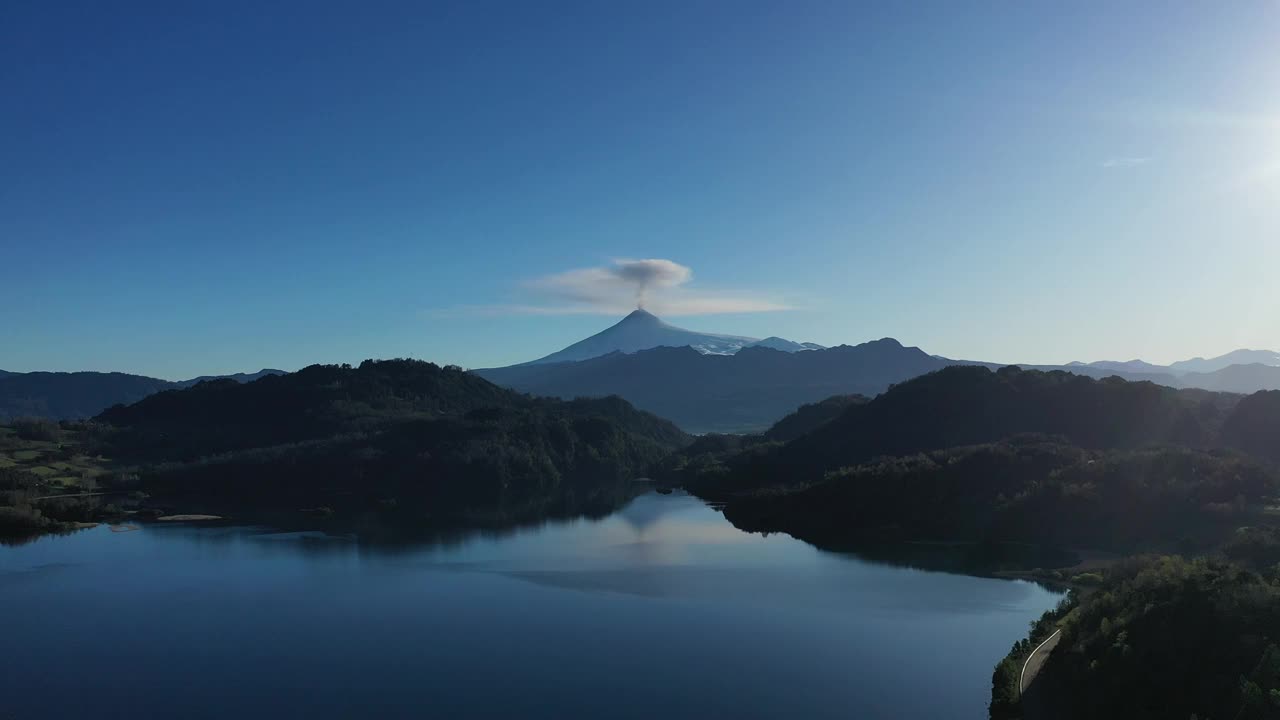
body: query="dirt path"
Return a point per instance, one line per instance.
(74, 495)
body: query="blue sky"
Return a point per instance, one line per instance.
(227, 186)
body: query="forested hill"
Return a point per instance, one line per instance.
(1254, 426)
(812, 416)
(433, 438)
(317, 401)
(1166, 637)
(966, 453)
(971, 405)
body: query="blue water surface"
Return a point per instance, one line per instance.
(661, 610)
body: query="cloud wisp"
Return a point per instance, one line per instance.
(1125, 162)
(655, 284)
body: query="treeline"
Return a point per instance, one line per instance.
(401, 436)
(1026, 489)
(318, 401)
(1254, 425)
(1010, 456)
(968, 405)
(19, 516)
(702, 463)
(812, 416)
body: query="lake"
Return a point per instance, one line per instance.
(660, 610)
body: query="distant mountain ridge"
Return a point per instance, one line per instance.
(746, 391)
(776, 343)
(704, 390)
(705, 382)
(1235, 357)
(1266, 358)
(238, 377)
(642, 330)
(77, 395)
(1139, 366)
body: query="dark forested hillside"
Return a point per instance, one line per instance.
(434, 441)
(966, 453)
(810, 417)
(1027, 489)
(973, 405)
(1168, 637)
(317, 401)
(1254, 426)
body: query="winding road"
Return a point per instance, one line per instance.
(1036, 660)
(1032, 705)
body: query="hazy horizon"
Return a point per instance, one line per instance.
(196, 191)
(605, 325)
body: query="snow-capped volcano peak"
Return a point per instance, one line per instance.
(642, 330)
(640, 317)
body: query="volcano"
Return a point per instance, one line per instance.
(642, 330)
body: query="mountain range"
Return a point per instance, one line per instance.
(704, 382)
(1267, 358)
(673, 373)
(77, 395)
(724, 393)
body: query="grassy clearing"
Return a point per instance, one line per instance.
(86, 466)
(34, 469)
(57, 465)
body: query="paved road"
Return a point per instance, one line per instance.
(1035, 705)
(1036, 660)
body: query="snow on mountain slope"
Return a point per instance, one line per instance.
(642, 330)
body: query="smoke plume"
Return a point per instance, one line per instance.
(650, 273)
(655, 284)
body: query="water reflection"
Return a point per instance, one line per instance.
(662, 609)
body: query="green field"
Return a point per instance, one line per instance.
(59, 464)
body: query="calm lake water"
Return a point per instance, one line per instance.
(661, 610)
